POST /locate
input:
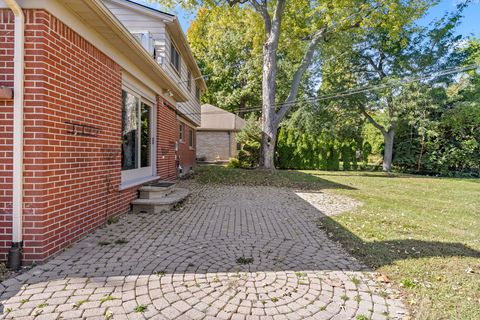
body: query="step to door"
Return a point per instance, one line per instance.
(159, 205)
(157, 190)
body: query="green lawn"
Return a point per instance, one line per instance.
(423, 233)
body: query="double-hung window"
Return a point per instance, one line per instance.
(197, 93)
(175, 58)
(189, 81)
(137, 137)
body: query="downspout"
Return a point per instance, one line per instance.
(15, 253)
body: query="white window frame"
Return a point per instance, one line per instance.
(133, 177)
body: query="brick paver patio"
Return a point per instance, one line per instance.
(227, 253)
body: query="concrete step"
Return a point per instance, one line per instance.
(156, 190)
(160, 205)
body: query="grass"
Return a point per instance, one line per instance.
(421, 232)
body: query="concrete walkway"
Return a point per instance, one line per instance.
(227, 253)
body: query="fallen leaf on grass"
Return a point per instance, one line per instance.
(383, 278)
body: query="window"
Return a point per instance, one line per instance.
(189, 81)
(180, 132)
(197, 93)
(175, 58)
(137, 133)
(190, 138)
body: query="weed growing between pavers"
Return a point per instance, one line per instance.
(243, 260)
(121, 241)
(79, 303)
(107, 298)
(113, 220)
(140, 308)
(160, 273)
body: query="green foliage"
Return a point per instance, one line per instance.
(307, 151)
(227, 43)
(249, 139)
(234, 163)
(444, 138)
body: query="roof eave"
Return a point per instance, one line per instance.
(150, 66)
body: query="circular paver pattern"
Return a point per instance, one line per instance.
(227, 253)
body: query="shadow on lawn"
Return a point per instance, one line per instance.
(214, 174)
(379, 253)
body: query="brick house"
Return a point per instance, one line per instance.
(105, 100)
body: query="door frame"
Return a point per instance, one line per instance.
(140, 175)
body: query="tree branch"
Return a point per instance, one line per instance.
(263, 10)
(372, 121)
(306, 61)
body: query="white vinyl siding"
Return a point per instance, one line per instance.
(138, 22)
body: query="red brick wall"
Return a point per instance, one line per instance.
(71, 182)
(187, 155)
(167, 136)
(6, 129)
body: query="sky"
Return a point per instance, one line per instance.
(469, 26)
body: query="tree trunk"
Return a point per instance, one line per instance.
(267, 154)
(269, 127)
(388, 150)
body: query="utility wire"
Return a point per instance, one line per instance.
(358, 90)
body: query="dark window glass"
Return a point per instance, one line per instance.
(189, 81)
(129, 131)
(145, 135)
(175, 57)
(190, 138)
(180, 132)
(197, 93)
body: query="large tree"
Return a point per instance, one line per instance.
(382, 64)
(322, 20)
(227, 44)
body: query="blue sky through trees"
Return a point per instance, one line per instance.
(470, 24)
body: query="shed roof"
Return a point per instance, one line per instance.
(216, 119)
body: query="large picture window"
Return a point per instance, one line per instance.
(137, 132)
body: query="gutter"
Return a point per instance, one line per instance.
(121, 31)
(15, 252)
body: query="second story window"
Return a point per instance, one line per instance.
(197, 93)
(189, 81)
(175, 58)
